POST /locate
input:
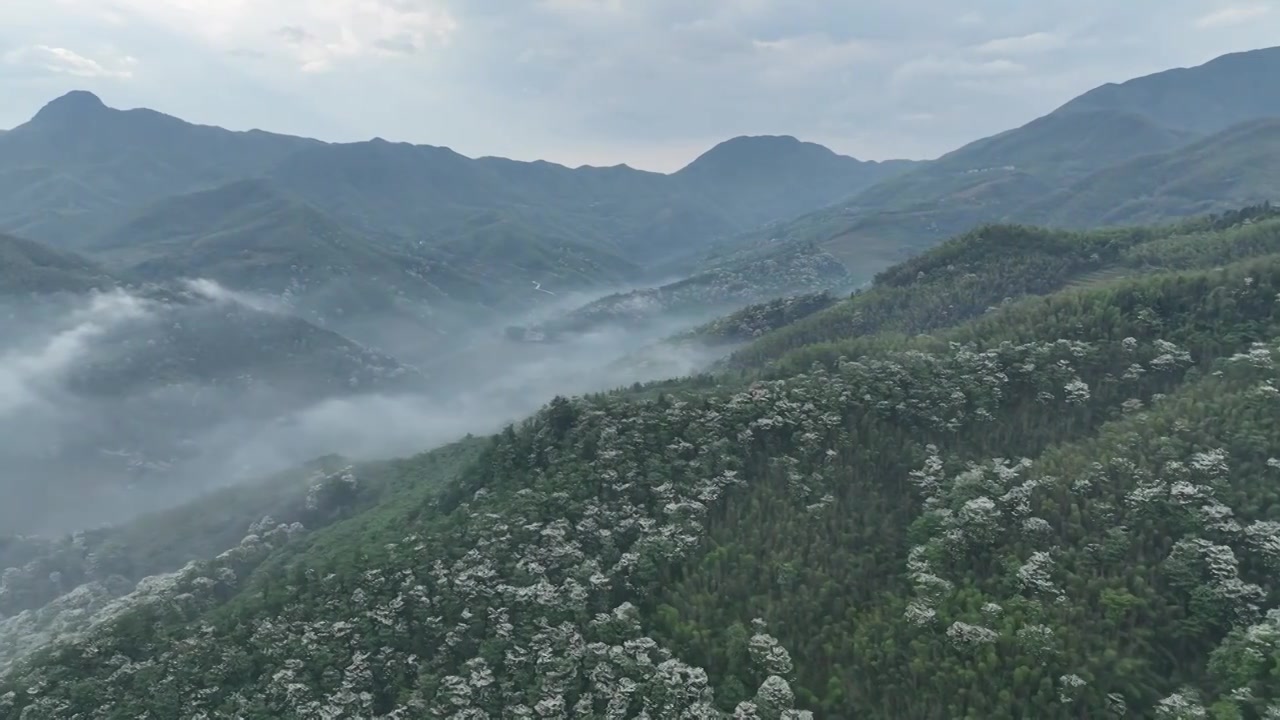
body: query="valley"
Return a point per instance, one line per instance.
(307, 429)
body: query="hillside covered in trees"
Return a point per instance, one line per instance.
(1030, 473)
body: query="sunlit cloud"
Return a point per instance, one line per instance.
(1233, 15)
(63, 61)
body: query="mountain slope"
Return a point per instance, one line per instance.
(194, 380)
(28, 267)
(1204, 99)
(248, 235)
(1042, 153)
(196, 341)
(765, 178)
(1235, 167)
(964, 278)
(194, 371)
(79, 166)
(251, 236)
(156, 333)
(392, 187)
(1017, 175)
(1062, 508)
(53, 580)
(1107, 125)
(78, 163)
(433, 194)
(506, 256)
(792, 269)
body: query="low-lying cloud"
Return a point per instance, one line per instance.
(488, 385)
(76, 458)
(216, 292)
(27, 373)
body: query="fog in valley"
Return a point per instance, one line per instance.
(109, 407)
(393, 359)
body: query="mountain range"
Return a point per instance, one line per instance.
(360, 236)
(139, 191)
(1020, 471)
(418, 253)
(79, 170)
(1126, 137)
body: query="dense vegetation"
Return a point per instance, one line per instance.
(1060, 505)
(30, 268)
(53, 588)
(250, 236)
(786, 271)
(963, 278)
(1030, 473)
(754, 321)
(1229, 168)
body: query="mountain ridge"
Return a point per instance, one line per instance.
(1213, 174)
(252, 235)
(1225, 93)
(1010, 176)
(113, 162)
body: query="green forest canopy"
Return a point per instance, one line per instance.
(1062, 501)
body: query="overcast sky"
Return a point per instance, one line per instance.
(651, 83)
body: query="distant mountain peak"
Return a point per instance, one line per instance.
(81, 98)
(747, 152)
(761, 143)
(77, 103)
(762, 140)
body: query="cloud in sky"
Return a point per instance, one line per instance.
(651, 83)
(1229, 15)
(1031, 43)
(61, 61)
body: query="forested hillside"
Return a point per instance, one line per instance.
(787, 270)
(1220, 172)
(754, 321)
(1058, 503)
(963, 278)
(30, 268)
